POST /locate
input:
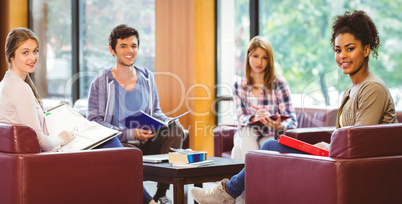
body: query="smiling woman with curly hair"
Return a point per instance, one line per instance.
(367, 101)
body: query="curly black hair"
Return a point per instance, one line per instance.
(360, 25)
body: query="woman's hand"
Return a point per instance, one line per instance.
(65, 137)
(263, 115)
(143, 135)
(274, 124)
(322, 145)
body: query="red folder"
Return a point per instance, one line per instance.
(302, 146)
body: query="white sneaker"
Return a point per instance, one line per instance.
(212, 195)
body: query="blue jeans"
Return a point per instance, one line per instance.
(115, 142)
(235, 186)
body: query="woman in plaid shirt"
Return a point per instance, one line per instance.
(259, 95)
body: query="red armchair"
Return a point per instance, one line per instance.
(364, 166)
(93, 176)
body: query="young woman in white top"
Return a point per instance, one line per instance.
(19, 99)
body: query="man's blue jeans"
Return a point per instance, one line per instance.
(235, 186)
(114, 142)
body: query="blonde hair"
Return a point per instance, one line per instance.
(269, 73)
(14, 39)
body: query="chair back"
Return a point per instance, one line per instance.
(367, 141)
(18, 138)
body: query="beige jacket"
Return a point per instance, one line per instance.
(371, 104)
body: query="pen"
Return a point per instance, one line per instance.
(255, 107)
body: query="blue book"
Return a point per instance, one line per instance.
(142, 120)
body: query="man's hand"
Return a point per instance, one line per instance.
(143, 135)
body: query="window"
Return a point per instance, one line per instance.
(233, 29)
(99, 18)
(52, 21)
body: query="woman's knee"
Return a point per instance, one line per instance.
(248, 132)
(270, 145)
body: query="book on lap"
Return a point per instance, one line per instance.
(273, 117)
(87, 134)
(142, 120)
(302, 146)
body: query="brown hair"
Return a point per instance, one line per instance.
(360, 25)
(14, 39)
(122, 32)
(269, 73)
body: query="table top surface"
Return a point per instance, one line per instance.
(220, 166)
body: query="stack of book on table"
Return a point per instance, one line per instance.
(188, 157)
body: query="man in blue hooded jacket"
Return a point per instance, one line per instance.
(125, 89)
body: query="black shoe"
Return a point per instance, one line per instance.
(164, 200)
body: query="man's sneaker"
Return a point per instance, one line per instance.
(164, 200)
(212, 195)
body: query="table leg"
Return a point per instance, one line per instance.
(178, 185)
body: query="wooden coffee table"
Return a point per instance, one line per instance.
(180, 176)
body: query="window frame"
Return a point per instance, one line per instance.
(254, 31)
(76, 34)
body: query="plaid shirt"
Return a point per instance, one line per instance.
(278, 101)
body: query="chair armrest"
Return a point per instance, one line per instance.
(93, 176)
(223, 139)
(18, 138)
(285, 177)
(367, 141)
(312, 135)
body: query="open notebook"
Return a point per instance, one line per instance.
(87, 134)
